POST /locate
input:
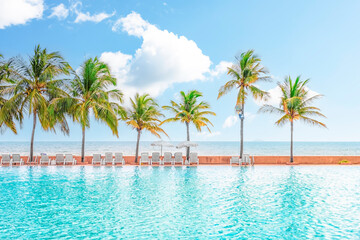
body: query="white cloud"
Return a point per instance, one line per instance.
(84, 17)
(275, 96)
(14, 12)
(163, 59)
(221, 68)
(230, 121)
(60, 11)
(133, 24)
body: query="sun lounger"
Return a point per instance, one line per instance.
(168, 158)
(247, 160)
(16, 159)
(155, 158)
(59, 159)
(234, 160)
(96, 159)
(118, 159)
(145, 158)
(43, 159)
(194, 158)
(69, 159)
(108, 158)
(178, 158)
(6, 159)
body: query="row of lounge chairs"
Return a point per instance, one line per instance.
(168, 158)
(109, 158)
(10, 160)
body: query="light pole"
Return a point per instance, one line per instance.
(239, 111)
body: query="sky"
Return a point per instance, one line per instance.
(164, 47)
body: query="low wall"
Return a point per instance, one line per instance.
(221, 160)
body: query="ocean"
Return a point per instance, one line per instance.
(209, 148)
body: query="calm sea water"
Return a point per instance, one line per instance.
(205, 202)
(204, 148)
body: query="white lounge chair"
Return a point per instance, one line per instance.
(168, 158)
(155, 158)
(59, 159)
(118, 159)
(234, 160)
(16, 159)
(5, 159)
(178, 158)
(69, 159)
(247, 160)
(194, 158)
(96, 159)
(43, 159)
(145, 158)
(108, 158)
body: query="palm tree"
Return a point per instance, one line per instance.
(89, 93)
(143, 114)
(35, 84)
(245, 73)
(295, 105)
(190, 110)
(7, 115)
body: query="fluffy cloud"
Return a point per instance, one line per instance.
(230, 121)
(221, 68)
(275, 96)
(85, 17)
(60, 11)
(163, 59)
(14, 12)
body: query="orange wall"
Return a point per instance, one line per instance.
(258, 159)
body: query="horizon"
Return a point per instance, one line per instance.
(126, 31)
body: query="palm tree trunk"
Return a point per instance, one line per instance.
(291, 143)
(242, 132)
(83, 145)
(32, 137)
(137, 146)
(188, 139)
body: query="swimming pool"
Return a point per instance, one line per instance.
(203, 202)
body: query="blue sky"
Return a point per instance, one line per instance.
(163, 47)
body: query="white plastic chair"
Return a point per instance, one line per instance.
(118, 159)
(178, 158)
(168, 158)
(96, 159)
(69, 159)
(16, 159)
(145, 158)
(247, 160)
(6, 159)
(155, 158)
(108, 158)
(234, 160)
(43, 158)
(194, 158)
(59, 159)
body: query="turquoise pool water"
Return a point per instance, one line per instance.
(261, 202)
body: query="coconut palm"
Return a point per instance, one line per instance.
(35, 84)
(7, 115)
(295, 105)
(143, 114)
(190, 110)
(246, 73)
(90, 93)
